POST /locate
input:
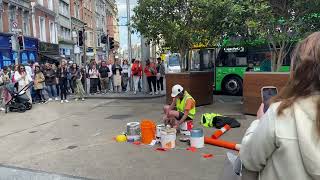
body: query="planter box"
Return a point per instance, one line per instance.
(198, 84)
(252, 84)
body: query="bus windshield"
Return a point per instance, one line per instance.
(174, 61)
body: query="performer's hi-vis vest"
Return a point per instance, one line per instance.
(181, 104)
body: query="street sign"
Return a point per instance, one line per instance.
(14, 25)
(16, 30)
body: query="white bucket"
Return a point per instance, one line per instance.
(168, 138)
(159, 129)
(197, 142)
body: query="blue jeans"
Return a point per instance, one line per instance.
(52, 91)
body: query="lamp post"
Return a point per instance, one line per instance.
(129, 31)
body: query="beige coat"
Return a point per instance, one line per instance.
(39, 81)
(284, 147)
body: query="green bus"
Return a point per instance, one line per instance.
(229, 64)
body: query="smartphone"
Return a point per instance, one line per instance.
(267, 93)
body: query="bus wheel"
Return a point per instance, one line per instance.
(232, 85)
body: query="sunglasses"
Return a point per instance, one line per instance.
(21, 68)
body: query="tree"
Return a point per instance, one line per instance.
(177, 22)
(280, 23)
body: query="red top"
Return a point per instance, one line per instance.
(136, 70)
(150, 70)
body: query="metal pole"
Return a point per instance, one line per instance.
(129, 31)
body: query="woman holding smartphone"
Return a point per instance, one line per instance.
(284, 143)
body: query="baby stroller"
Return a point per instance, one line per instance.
(18, 101)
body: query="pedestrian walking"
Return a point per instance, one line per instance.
(39, 80)
(94, 78)
(284, 142)
(136, 72)
(50, 82)
(151, 73)
(117, 71)
(160, 75)
(62, 74)
(104, 77)
(125, 75)
(79, 90)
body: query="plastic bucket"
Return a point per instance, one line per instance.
(148, 131)
(168, 138)
(197, 138)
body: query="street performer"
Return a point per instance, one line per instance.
(182, 110)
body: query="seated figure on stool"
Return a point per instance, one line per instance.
(182, 110)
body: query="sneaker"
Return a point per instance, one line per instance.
(61, 101)
(135, 93)
(76, 99)
(56, 99)
(82, 99)
(157, 92)
(2, 109)
(46, 102)
(50, 99)
(66, 101)
(151, 93)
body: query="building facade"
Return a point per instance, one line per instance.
(101, 29)
(77, 26)
(66, 43)
(90, 28)
(51, 29)
(112, 27)
(14, 22)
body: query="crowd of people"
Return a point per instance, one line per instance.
(122, 77)
(55, 81)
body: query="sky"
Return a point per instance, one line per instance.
(122, 15)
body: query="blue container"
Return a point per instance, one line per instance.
(198, 132)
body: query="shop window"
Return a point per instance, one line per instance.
(24, 58)
(5, 57)
(32, 56)
(209, 56)
(195, 59)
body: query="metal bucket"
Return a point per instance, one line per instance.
(133, 129)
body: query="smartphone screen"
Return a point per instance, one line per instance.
(267, 94)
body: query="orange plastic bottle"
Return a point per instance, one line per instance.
(148, 131)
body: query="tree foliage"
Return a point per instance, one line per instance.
(184, 23)
(177, 22)
(277, 23)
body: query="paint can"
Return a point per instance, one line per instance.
(133, 128)
(160, 127)
(197, 138)
(168, 138)
(133, 131)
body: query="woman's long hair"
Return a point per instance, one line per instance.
(20, 66)
(304, 78)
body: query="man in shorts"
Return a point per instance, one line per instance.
(182, 110)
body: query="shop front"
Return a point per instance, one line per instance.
(30, 51)
(6, 55)
(66, 50)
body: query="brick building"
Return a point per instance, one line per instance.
(50, 28)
